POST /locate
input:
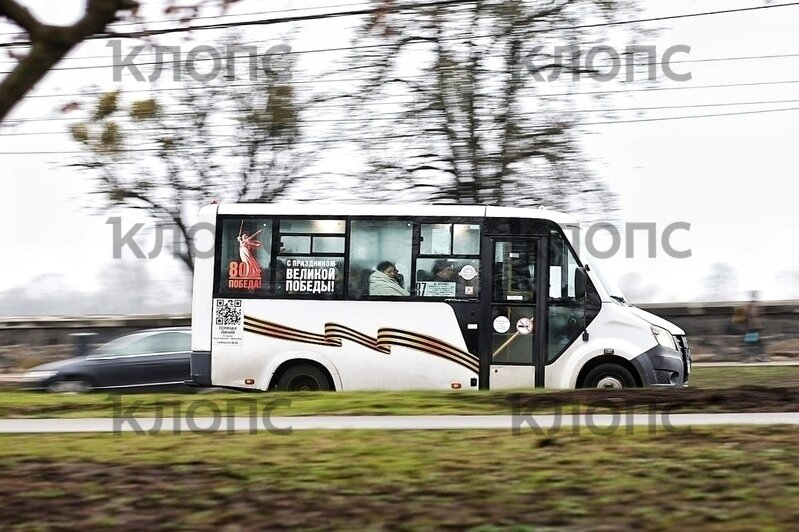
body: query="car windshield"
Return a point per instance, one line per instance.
(117, 345)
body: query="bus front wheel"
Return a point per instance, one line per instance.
(609, 376)
(303, 378)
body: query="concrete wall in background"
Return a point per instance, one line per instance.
(707, 326)
(49, 331)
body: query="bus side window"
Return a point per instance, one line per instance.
(380, 258)
(449, 264)
(310, 260)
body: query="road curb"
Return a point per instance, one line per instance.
(517, 424)
(776, 363)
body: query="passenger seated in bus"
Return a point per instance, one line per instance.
(444, 271)
(359, 280)
(424, 275)
(385, 281)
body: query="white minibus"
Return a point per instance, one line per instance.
(399, 297)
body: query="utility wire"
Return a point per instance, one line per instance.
(688, 117)
(205, 59)
(397, 116)
(265, 21)
(441, 3)
(298, 52)
(393, 137)
(400, 102)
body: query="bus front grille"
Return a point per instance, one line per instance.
(682, 345)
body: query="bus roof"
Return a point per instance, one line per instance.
(322, 209)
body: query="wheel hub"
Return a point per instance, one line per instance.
(610, 382)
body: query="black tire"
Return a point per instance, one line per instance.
(70, 385)
(610, 376)
(303, 378)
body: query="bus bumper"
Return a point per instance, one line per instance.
(661, 367)
(200, 368)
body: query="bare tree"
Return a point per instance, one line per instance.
(216, 141)
(452, 105)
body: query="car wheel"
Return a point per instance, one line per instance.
(609, 376)
(71, 385)
(303, 378)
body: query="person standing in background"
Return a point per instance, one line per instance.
(753, 326)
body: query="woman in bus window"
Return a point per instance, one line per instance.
(384, 281)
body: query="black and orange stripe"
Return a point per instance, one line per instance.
(421, 342)
(335, 333)
(274, 330)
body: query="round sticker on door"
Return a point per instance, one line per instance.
(501, 324)
(468, 272)
(524, 326)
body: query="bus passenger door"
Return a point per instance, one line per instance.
(514, 348)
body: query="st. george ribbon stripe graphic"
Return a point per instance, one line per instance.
(279, 331)
(427, 344)
(335, 333)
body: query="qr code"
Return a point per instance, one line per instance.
(228, 312)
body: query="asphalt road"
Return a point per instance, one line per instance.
(600, 423)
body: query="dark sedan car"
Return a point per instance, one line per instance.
(157, 359)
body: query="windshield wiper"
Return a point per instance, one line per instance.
(621, 300)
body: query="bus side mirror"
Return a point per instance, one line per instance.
(580, 283)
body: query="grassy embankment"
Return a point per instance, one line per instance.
(725, 478)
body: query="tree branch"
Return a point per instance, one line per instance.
(50, 44)
(19, 15)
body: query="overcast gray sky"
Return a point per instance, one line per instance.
(734, 178)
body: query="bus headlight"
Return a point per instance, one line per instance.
(664, 337)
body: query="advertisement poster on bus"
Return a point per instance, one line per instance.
(245, 255)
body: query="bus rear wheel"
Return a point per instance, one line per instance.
(303, 378)
(609, 376)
